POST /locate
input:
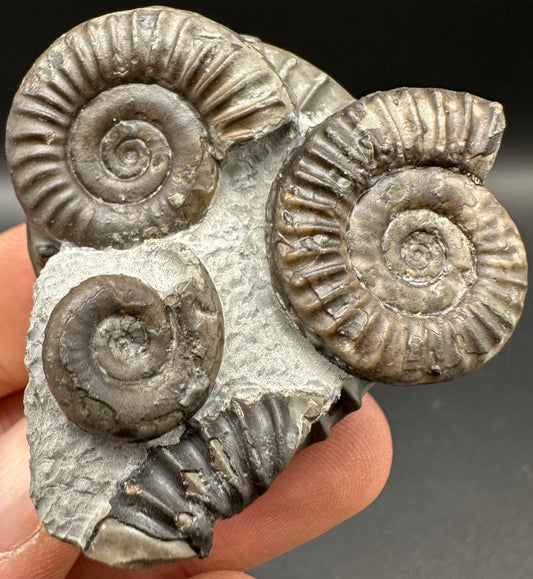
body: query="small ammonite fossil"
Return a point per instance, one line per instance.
(116, 131)
(387, 251)
(122, 360)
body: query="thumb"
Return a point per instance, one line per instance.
(26, 549)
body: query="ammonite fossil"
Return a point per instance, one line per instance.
(159, 356)
(210, 474)
(387, 250)
(115, 133)
(152, 359)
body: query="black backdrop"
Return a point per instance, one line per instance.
(459, 503)
(475, 45)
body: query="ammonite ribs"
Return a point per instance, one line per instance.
(387, 251)
(216, 470)
(115, 133)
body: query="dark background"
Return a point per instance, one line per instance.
(459, 503)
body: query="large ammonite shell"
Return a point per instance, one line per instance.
(122, 360)
(115, 133)
(386, 249)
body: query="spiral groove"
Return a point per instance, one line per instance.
(115, 133)
(121, 360)
(386, 251)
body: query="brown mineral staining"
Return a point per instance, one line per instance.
(386, 250)
(123, 361)
(116, 132)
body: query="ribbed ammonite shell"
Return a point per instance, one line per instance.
(115, 133)
(122, 360)
(386, 249)
(316, 95)
(168, 507)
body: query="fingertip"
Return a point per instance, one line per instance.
(334, 480)
(18, 519)
(13, 251)
(362, 444)
(345, 473)
(324, 485)
(11, 410)
(39, 557)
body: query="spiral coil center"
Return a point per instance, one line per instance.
(117, 149)
(413, 247)
(130, 147)
(121, 348)
(420, 250)
(417, 260)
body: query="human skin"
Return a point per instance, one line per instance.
(323, 485)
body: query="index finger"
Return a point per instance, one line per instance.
(16, 281)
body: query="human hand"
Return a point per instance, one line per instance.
(324, 484)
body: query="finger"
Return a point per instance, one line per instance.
(223, 575)
(16, 280)
(11, 411)
(26, 550)
(324, 485)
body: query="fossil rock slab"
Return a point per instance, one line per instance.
(253, 387)
(198, 200)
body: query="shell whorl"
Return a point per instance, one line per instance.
(316, 95)
(217, 469)
(386, 250)
(122, 360)
(115, 133)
